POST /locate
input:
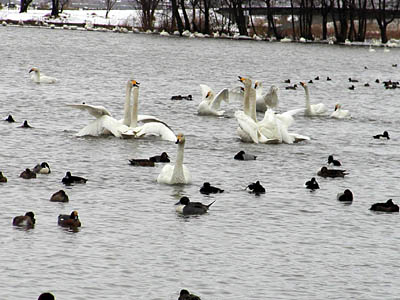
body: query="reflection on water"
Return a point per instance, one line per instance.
(285, 244)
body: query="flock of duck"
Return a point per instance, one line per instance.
(272, 129)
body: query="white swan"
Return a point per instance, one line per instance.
(104, 123)
(273, 129)
(210, 102)
(312, 109)
(340, 113)
(267, 100)
(38, 78)
(151, 126)
(176, 173)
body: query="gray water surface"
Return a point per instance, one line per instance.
(287, 244)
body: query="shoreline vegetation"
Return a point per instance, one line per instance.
(129, 21)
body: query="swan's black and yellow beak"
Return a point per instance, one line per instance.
(302, 83)
(179, 138)
(241, 79)
(135, 83)
(208, 94)
(256, 84)
(31, 70)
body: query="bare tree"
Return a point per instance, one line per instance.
(325, 6)
(63, 5)
(271, 21)
(24, 5)
(185, 16)
(55, 8)
(341, 8)
(176, 16)
(305, 18)
(109, 6)
(383, 16)
(239, 16)
(148, 8)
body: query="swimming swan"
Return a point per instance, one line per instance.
(312, 109)
(267, 100)
(340, 113)
(176, 173)
(38, 78)
(210, 102)
(273, 129)
(151, 126)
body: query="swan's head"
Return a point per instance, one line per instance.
(257, 84)
(209, 95)
(337, 106)
(34, 70)
(245, 81)
(180, 139)
(303, 84)
(134, 83)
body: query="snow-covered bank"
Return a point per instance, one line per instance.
(129, 21)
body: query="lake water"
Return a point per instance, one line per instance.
(287, 244)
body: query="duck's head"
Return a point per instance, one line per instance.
(386, 134)
(46, 296)
(183, 201)
(324, 169)
(74, 215)
(347, 192)
(184, 292)
(68, 174)
(30, 214)
(206, 184)
(390, 202)
(164, 155)
(313, 179)
(180, 139)
(45, 165)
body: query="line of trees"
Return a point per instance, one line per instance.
(348, 17)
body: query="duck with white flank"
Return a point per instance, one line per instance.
(186, 207)
(333, 161)
(241, 155)
(42, 168)
(383, 136)
(69, 179)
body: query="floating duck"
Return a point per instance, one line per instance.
(256, 188)
(27, 174)
(71, 220)
(186, 207)
(69, 179)
(333, 161)
(28, 220)
(385, 135)
(346, 196)
(325, 172)
(389, 206)
(241, 155)
(10, 119)
(312, 184)
(209, 189)
(42, 168)
(25, 125)
(142, 162)
(2, 177)
(59, 196)
(185, 295)
(160, 158)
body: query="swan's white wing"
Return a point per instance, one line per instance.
(236, 94)
(287, 117)
(204, 109)
(151, 128)
(94, 110)
(166, 174)
(103, 125)
(248, 125)
(47, 79)
(205, 89)
(319, 108)
(222, 95)
(149, 119)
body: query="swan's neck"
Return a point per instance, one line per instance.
(127, 111)
(249, 101)
(36, 76)
(253, 104)
(178, 169)
(308, 105)
(134, 116)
